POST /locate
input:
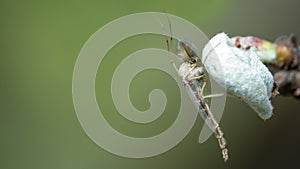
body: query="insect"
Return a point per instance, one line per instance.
(193, 78)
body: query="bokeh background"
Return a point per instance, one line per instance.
(39, 44)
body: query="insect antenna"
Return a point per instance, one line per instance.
(171, 38)
(169, 41)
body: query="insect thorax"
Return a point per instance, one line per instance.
(188, 72)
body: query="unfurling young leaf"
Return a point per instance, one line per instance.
(241, 72)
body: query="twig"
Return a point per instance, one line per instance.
(286, 67)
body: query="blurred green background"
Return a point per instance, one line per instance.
(40, 42)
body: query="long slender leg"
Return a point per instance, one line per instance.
(196, 78)
(213, 95)
(202, 88)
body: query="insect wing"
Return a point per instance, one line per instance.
(196, 101)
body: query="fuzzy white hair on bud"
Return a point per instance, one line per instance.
(241, 72)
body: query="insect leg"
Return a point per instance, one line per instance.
(196, 78)
(213, 95)
(202, 89)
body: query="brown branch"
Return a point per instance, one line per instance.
(286, 67)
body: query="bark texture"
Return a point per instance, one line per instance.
(286, 67)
